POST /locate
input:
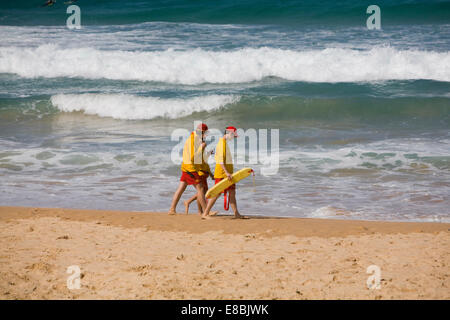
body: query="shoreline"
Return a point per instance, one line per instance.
(135, 255)
(270, 226)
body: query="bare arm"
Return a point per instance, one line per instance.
(229, 177)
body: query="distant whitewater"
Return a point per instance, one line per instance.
(244, 65)
(121, 106)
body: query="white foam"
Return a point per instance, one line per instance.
(123, 106)
(392, 154)
(333, 212)
(197, 66)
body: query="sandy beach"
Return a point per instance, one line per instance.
(137, 255)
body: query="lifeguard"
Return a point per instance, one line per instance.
(191, 166)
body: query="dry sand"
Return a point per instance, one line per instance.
(129, 255)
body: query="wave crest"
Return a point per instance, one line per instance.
(129, 107)
(245, 65)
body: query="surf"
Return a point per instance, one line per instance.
(198, 66)
(129, 107)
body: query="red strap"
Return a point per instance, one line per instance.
(226, 204)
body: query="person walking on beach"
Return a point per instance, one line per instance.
(190, 168)
(204, 173)
(224, 170)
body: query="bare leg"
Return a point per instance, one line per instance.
(205, 189)
(211, 203)
(212, 213)
(176, 197)
(233, 204)
(200, 208)
(200, 212)
(201, 196)
(188, 202)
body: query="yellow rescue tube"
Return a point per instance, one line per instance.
(225, 183)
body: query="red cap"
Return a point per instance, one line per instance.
(203, 127)
(232, 129)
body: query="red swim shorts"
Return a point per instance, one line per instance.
(232, 187)
(191, 178)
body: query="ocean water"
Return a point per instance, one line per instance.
(86, 116)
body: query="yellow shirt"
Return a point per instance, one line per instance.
(223, 156)
(192, 161)
(204, 167)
